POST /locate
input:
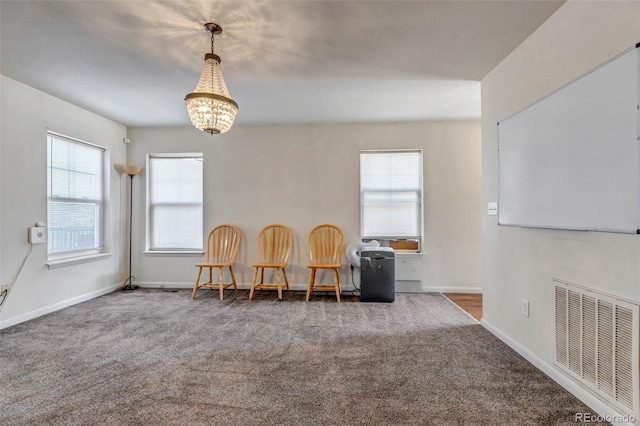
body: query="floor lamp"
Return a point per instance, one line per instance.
(131, 171)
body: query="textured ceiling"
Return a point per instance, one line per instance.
(283, 61)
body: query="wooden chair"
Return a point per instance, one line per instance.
(325, 251)
(222, 246)
(274, 247)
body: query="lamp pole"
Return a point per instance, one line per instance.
(131, 171)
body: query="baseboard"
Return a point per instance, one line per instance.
(475, 290)
(189, 285)
(151, 284)
(596, 404)
(56, 307)
(406, 286)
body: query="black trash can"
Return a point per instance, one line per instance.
(377, 275)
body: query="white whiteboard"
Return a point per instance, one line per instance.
(572, 159)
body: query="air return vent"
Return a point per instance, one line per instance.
(597, 343)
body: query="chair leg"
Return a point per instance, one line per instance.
(312, 277)
(279, 283)
(233, 277)
(286, 281)
(195, 287)
(210, 282)
(253, 283)
(220, 283)
(336, 283)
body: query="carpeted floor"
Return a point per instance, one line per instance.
(159, 358)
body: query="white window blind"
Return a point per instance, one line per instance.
(391, 194)
(175, 202)
(74, 197)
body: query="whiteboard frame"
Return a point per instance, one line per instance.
(550, 94)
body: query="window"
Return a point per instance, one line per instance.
(391, 195)
(75, 193)
(174, 219)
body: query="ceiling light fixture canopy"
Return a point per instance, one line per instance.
(210, 106)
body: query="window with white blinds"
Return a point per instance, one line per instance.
(175, 206)
(391, 194)
(75, 194)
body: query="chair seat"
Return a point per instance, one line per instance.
(323, 265)
(269, 265)
(213, 265)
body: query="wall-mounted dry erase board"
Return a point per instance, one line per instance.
(572, 159)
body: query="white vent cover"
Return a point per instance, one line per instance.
(597, 343)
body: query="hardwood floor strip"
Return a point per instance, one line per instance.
(469, 302)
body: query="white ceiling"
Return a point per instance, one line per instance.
(283, 61)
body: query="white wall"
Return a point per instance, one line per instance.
(27, 114)
(304, 175)
(520, 263)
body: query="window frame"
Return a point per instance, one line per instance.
(100, 227)
(149, 205)
(387, 240)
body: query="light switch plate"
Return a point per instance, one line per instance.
(492, 209)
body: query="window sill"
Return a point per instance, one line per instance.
(173, 253)
(53, 264)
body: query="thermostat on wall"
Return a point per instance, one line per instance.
(37, 234)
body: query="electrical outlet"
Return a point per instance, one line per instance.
(4, 287)
(525, 308)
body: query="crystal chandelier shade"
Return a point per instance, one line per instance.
(210, 106)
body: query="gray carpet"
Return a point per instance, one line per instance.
(159, 358)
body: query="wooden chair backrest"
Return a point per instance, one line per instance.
(222, 244)
(274, 244)
(325, 245)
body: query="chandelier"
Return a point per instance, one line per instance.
(210, 107)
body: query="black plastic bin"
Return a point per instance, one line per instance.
(377, 275)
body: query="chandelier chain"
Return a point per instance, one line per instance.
(211, 41)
